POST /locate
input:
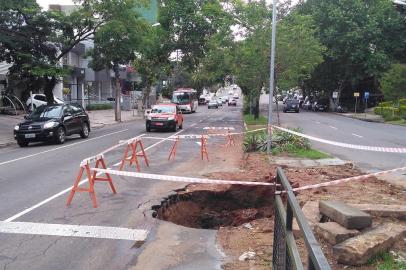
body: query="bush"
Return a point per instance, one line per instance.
(378, 110)
(402, 102)
(402, 111)
(281, 142)
(93, 107)
(390, 113)
(386, 104)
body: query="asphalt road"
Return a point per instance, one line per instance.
(338, 128)
(33, 180)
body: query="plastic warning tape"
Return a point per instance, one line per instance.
(89, 160)
(345, 180)
(346, 145)
(180, 178)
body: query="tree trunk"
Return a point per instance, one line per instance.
(256, 108)
(145, 94)
(118, 93)
(48, 89)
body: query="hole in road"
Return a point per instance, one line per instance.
(211, 209)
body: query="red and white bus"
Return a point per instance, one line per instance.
(186, 99)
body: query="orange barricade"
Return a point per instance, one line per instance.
(133, 147)
(230, 139)
(173, 150)
(203, 149)
(85, 168)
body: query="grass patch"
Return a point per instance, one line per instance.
(250, 120)
(386, 261)
(94, 107)
(308, 153)
(400, 122)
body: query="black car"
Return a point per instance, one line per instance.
(320, 105)
(232, 102)
(52, 122)
(291, 105)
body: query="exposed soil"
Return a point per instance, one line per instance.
(243, 215)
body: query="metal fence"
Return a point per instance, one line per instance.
(285, 252)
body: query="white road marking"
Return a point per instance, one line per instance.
(333, 127)
(317, 122)
(61, 147)
(73, 231)
(356, 135)
(69, 188)
(194, 124)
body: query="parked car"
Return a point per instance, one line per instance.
(213, 104)
(164, 116)
(53, 122)
(232, 102)
(291, 105)
(320, 105)
(219, 102)
(40, 99)
(236, 96)
(225, 99)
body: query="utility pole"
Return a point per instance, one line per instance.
(272, 79)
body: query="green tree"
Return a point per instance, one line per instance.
(115, 44)
(361, 36)
(35, 41)
(393, 82)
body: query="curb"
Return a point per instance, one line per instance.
(361, 119)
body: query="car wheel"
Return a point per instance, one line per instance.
(148, 128)
(174, 128)
(297, 111)
(22, 143)
(85, 131)
(60, 135)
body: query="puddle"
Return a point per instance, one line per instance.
(211, 209)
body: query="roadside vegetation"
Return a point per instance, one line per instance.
(283, 143)
(388, 261)
(392, 110)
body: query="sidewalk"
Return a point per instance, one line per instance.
(98, 119)
(368, 117)
(101, 118)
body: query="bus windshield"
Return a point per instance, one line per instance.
(181, 98)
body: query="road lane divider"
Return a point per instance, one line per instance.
(98, 232)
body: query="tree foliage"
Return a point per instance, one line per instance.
(394, 82)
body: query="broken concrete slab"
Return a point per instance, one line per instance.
(358, 250)
(333, 232)
(345, 215)
(311, 212)
(383, 210)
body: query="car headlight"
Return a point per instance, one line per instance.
(50, 124)
(17, 128)
(170, 118)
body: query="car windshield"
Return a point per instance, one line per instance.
(46, 112)
(181, 98)
(163, 109)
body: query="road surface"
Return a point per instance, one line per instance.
(35, 181)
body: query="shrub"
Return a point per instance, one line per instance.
(390, 113)
(378, 110)
(402, 102)
(93, 107)
(402, 111)
(386, 104)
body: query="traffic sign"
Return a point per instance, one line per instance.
(356, 94)
(335, 94)
(366, 95)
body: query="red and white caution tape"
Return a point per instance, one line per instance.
(180, 178)
(346, 145)
(89, 160)
(345, 180)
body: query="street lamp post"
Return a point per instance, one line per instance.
(272, 77)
